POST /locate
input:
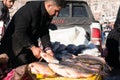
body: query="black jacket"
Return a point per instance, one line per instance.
(113, 44)
(117, 22)
(29, 22)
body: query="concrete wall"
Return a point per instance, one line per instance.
(103, 10)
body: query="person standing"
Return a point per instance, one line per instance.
(5, 5)
(117, 23)
(28, 24)
(113, 45)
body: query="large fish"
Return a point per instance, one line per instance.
(92, 63)
(68, 71)
(41, 68)
(93, 60)
(84, 67)
(90, 59)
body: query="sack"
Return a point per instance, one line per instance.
(75, 35)
(17, 73)
(31, 71)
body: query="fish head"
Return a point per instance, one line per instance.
(48, 58)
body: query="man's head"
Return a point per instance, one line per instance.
(8, 3)
(54, 6)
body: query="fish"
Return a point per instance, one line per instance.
(41, 68)
(84, 67)
(93, 60)
(91, 63)
(90, 59)
(69, 72)
(48, 58)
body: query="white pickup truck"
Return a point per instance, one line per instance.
(78, 13)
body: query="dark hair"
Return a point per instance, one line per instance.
(60, 3)
(13, 0)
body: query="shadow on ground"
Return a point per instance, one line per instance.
(113, 75)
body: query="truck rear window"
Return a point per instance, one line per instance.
(79, 11)
(64, 12)
(73, 10)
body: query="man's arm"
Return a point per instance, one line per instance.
(21, 21)
(45, 37)
(47, 44)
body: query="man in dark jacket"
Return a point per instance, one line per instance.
(28, 24)
(113, 45)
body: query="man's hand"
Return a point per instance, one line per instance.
(48, 57)
(36, 51)
(50, 52)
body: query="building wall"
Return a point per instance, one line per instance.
(105, 10)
